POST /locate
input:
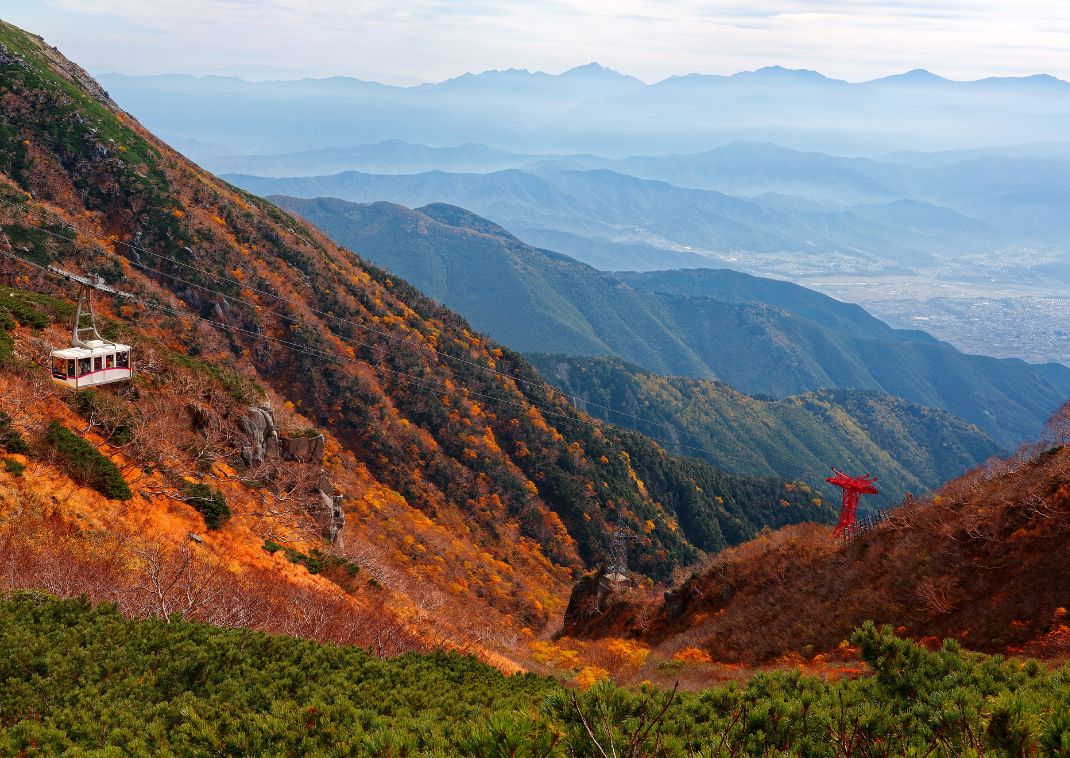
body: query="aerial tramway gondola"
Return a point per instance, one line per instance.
(91, 361)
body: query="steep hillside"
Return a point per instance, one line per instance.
(471, 491)
(749, 334)
(912, 448)
(984, 561)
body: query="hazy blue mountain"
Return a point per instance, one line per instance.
(975, 196)
(591, 109)
(540, 301)
(284, 116)
(919, 159)
(388, 157)
(749, 169)
(604, 204)
(914, 448)
(805, 110)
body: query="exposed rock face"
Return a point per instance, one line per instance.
(336, 519)
(332, 504)
(303, 449)
(200, 415)
(585, 601)
(675, 602)
(258, 425)
(599, 607)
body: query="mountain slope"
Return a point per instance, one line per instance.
(540, 301)
(913, 449)
(471, 489)
(983, 561)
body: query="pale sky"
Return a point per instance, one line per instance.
(402, 42)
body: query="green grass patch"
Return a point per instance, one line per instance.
(7, 340)
(106, 410)
(13, 467)
(34, 309)
(39, 243)
(85, 464)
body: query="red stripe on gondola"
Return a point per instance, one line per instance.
(82, 376)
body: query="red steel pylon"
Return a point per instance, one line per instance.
(853, 488)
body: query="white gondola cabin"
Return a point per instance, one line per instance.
(92, 360)
(99, 362)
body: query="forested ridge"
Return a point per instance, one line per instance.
(913, 448)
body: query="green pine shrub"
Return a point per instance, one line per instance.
(10, 439)
(210, 503)
(86, 464)
(79, 680)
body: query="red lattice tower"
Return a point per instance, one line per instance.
(853, 488)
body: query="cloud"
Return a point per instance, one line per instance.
(434, 39)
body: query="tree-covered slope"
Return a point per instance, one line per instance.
(910, 447)
(759, 336)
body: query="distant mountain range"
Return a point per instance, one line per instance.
(658, 212)
(914, 448)
(387, 157)
(594, 109)
(759, 336)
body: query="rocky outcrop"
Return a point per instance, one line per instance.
(598, 607)
(302, 449)
(336, 519)
(201, 416)
(258, 425)
(332, 505)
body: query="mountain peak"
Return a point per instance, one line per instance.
(594, 69)
(914, 76)
(786, 73)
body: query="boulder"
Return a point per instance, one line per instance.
(258, 425)
(336, 518)
(303, 449)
